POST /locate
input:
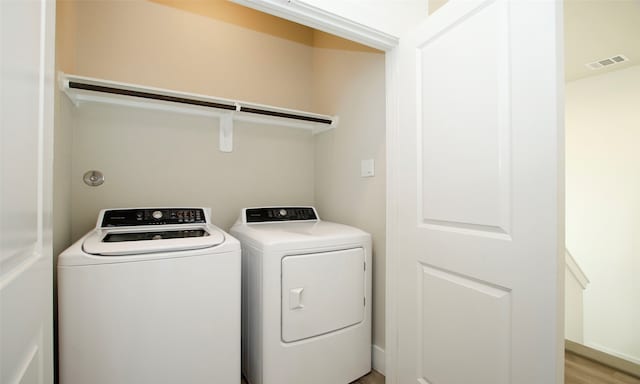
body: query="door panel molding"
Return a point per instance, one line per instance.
(24, 261)
(30, 370)
(447, 297)
(449, 199)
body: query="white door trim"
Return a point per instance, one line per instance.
(317, 18)
(393, 128)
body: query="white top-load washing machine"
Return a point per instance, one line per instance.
(151, 295)
(306, 305)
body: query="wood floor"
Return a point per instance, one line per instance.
(372, 378)
(577, 370)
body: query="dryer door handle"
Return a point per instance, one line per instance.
(295, 298)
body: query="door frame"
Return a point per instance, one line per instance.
(31, 347)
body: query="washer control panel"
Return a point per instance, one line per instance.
(261, 215)
(152, 216)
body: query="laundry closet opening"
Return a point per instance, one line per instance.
(602, 182)
(163, 158)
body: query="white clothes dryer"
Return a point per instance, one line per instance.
(306, 305)
(151, 295)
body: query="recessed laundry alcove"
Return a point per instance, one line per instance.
(162, 157)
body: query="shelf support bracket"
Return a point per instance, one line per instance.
(226, 133)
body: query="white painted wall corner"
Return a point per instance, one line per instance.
(378, 359)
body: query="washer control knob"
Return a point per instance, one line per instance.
(157, 214)
(283, 212)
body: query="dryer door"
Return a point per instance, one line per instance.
(322, 292)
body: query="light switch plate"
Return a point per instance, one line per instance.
(367, 168)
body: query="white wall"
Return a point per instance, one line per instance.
(573, 308)
(603, 205)
(575, 282)
(351, 84)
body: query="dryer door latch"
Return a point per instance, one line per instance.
(295, 298)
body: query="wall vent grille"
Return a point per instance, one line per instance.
(607, 62)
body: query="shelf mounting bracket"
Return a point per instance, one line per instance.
(226, 133)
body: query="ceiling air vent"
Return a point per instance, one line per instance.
(607, 62)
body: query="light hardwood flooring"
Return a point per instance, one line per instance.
(372, 378)
(577, 370)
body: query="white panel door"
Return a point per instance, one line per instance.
(26, 117)
(476, 181)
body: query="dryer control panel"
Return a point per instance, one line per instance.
(152, 216)
(267, 214)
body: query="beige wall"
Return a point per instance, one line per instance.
(153, 44)
(603, 205)
(168, 159)
(351, 84)
(434, 5)
(247, 18)
(161, 158)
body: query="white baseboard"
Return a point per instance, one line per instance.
(378, 359)
(615, 362)
(613, 352)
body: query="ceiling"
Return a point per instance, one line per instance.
(598, 29)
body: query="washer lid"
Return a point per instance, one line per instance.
(141, 240)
